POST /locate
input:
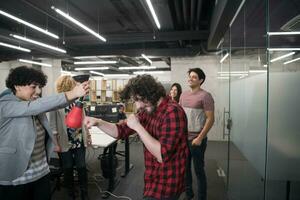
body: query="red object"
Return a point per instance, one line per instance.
(74, 117)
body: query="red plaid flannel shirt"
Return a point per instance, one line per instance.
(168, 124)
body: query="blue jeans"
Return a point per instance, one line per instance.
(197, 155)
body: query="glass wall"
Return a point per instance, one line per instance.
(283, 153)
(264, 96)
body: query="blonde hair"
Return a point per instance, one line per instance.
(65, 83)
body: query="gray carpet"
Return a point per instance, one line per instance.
(132, 185)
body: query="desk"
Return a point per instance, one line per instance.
(101, 139)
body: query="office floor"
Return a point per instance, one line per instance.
(132, 185)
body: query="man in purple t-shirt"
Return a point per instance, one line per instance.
(198, 105)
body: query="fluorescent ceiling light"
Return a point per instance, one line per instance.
(146, 58)
(237, 12)
(257, 71)
(153, 13)
(242, 74)
(148, 72)
(226, 55)
(34, 62)
(108, 75)
(265, 65)
(222, 77)
(85, 57)
(283, 56)
(97, 73)
(138, 67)
(294, 60)
(94, 62)
(90, 68)
(14, 47)
(38, 43)
(67, 16)
(45, 31)
(233, 72)
(284, 33)
(283, 49)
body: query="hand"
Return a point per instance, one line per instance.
(133, 122)
(197, 142)
(57, 148)
(90, 121)
(82, 89)
(79, 90)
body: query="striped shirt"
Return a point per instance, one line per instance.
(38, 166)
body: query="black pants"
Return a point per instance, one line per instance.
(37, 190)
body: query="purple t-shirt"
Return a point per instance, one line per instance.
(195, 104)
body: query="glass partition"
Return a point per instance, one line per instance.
(283, 157)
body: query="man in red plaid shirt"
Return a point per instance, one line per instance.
(162, 126)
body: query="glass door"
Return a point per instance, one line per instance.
(247, 103)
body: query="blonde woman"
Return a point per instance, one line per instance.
(71, 143)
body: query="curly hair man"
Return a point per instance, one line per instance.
(162, 126)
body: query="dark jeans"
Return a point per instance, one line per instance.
(37, 190)
(77, 157)
(197, 155)
(169, 198)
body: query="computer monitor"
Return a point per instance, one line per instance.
(107, 112)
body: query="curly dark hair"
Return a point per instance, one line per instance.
(144, 86)
(199, 72)
(23, 75)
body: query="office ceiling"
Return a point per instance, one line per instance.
(126, 24)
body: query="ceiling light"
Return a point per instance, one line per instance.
(222, 77)
(283, 56)
(85, 57)
(138, 67)
(294, 60)
(38, 43)
(153, 13)
(146, 58)
(283, 49)
(97, 73)
(257, 71)
(226, 55)
(115, 75)
(94, 62)
(67, 16)
(148, 72)
(233, 72)
(34, 62)
(14, 47)
(284, 33)
(45, 31)
(90, 68)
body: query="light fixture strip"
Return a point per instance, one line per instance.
(94, 62)
(140, 67)
(257, 71)
(290, 61)
(45, 31)
(90, 68)
(283, 56)
(283, 49)
(115, 75)
(146, 58)
(226, 55)
(97, 73)
(67, 16)
(14, 47)
(148, 72)
(233, 72)
(34, 62)
(284, 33)
(39, 43)
(153, 13)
